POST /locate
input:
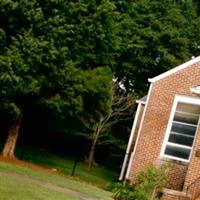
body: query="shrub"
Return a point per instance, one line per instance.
(151, 181)
(113, 186)
(149, 185)
(123, 191)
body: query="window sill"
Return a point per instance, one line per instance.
(162, 158)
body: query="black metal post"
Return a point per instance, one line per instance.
(74, 167)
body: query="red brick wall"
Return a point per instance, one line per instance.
(155, 122)
(177, 177)
(177, 174)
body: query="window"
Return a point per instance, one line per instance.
(181, 128)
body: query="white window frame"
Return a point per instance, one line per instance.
(178, 99)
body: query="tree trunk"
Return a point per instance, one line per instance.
(91, 158)
(9, 147)
(92, 149)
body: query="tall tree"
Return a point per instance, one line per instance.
(118, 107)
(30, 75)
(48, 47)
(158, 35)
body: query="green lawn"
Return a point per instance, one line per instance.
(15, 189)
(99, 176)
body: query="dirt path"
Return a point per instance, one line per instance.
(49, 185)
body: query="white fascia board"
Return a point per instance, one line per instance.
(174, 70)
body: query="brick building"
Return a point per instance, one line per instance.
(166, 127)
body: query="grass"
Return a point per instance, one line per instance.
(11, 188)
(99, 176)
(83, 181)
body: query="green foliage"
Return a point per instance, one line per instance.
(60, 54)
(51, 50)
(113, 186)
(158, 35)
(98, 91)
(136, 39)
(121, 191)
(28, 74)
(11, 109)
(57, 56)
(149, 185)
(151, 181)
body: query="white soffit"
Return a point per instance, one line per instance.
(174, 70)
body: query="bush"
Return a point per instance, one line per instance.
(113, 186)
(121, 191)
(151, 181)
(149, 185)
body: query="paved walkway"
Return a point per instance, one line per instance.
(49, 185)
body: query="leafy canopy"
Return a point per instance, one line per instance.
(51, 49)
(158, 35)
